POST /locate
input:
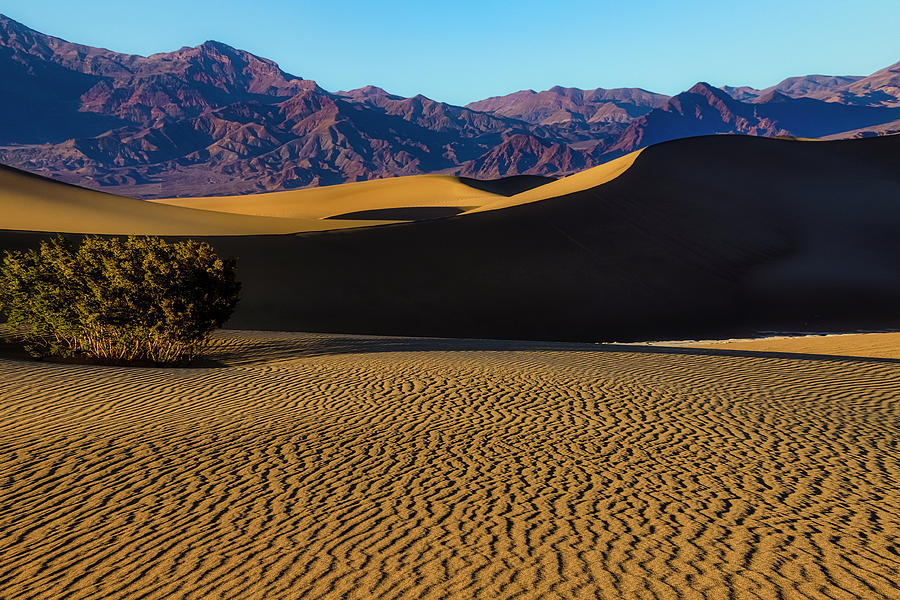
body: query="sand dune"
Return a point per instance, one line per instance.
(579, 182)
(399, 193)
(349, 467)
(318, 203)
(712, 236)
(702, 237)
(32, 203)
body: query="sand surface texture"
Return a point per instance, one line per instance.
(359, 467)
(873, 345)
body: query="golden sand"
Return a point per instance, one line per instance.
(398, 192)
(32, 203)
(314, 466)
(328, 201)
(873, 345)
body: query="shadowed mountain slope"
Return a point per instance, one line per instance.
(527, 154)
(103, 89)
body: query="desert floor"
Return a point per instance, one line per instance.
(314, 466)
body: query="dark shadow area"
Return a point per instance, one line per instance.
(404, 213)
(14, 350)
(764, 235)
(508, 186)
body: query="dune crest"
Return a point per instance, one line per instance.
(587, 179)
(328, 201)
(32, 203)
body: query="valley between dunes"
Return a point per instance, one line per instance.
(355, 467)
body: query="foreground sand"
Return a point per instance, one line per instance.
(356, 467)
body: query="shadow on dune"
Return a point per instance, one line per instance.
(507, 186)
(248, 351)
(238, 350)
(701, 238)
(404, 213)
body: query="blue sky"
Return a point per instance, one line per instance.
(471, 49)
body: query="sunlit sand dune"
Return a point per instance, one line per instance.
(578, 182)
(32, 203)
(329, 201)
(870, 345)
(398, 192)
(353, 467)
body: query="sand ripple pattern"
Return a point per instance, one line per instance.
(358, 468)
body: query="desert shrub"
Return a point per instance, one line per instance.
(117, 300)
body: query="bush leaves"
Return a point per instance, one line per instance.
(134, 299)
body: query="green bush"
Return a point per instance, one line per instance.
(117, 300)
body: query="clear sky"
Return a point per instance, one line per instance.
(471, 49)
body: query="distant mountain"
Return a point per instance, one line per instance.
(705, 110)
(795, 87)
(810, 85)
(213, 119)
(562, 105)
(530, 154)
(879, 130)
(46, 77)
(880, 89)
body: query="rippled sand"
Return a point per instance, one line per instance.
(872, 345)
(355, 467)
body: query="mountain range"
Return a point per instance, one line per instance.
(213, 119)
